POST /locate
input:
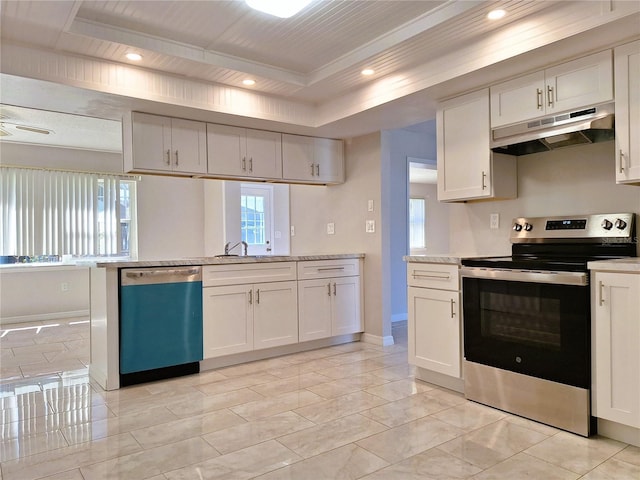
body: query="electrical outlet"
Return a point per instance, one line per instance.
(370, 226)
(494, 220)
(293, 231)
(331, 228)
(64, 287)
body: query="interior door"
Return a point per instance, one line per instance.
(256, 218)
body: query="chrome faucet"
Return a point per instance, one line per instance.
(227, 248)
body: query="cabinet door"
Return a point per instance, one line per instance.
(188, 146)
(227, 320)
(264, 154)
(616, 337)
(463, 147)
(226, 150)
(275, 314)
(345, 308)
(434, 330)
(314, 309)
(297, 158)
(151, 138)
(627, 77)
(517, 100)
(581, 83)
(328, 156)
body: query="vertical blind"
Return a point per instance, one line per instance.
(56, 213)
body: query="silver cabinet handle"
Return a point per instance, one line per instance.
(250, 297)
(244, 164)
(168, 157)
(601, 297)
(549, 95)
(453, 313)
(484, 176)
(621, 168)
(312, 170)
(539, 98)
(334, 289)
(177, 160)
(317, 169)
(327, 269)
(445, 276)
(251, 164)
(257, 296)
(329, 288)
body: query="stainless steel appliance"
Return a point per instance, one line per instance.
(527, 320)
(160, 323)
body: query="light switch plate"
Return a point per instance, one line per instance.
(370, 226)
(370, 206)
(494, 220)
(331, 228)
(293, 231)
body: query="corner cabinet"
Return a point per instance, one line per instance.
(240, 152)
(156, 144)
(467, 168)
(312, 160)
(434, 318)
(615, 341)
(627, 111)
(583, 82)
(329, 298)
(249, 307)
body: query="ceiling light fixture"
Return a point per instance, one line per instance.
(368, 71)
(136, 57)
(248, 82)
(496, 14)
(279, 8)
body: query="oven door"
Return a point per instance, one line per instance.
(527, 325)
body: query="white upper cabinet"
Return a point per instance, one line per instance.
(467, 168)
(627, 77)
(580, 83)
(312, 160)
(162, 144)
(242, 152)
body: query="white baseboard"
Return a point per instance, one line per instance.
(377, 339)
(617, 431)
(43, 317)
(399, 317)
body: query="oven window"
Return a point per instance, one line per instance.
(523, 319)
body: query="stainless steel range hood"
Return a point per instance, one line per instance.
(590, 125)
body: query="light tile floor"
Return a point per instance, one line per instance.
(345, 412)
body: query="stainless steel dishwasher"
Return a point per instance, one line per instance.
(160, 323)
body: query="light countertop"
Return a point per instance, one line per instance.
(450, 258)
(224, 260)
(622, 265)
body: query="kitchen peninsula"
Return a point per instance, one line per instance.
(253, 307)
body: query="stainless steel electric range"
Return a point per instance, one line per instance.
(527, 317)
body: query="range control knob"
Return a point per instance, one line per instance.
(606, 224)
(528, 227)
(621, 224)
(517, 227)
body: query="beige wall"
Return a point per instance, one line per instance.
(577, 180)
(437, 218)
(345, 205)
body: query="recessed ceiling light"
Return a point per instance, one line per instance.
(368, 71)
(248, 82)
(278, 8)
(496, 14)
(136, 57)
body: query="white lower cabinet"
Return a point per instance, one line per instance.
(275, 314)
(616, 352)
(434, 332)
(329, 298)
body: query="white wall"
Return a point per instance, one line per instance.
(312, 207)
(436, 221)
(577, 180)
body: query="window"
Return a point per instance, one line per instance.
(65, 213)
(417, 215)
(255, 217)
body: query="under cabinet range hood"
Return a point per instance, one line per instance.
(587, 125)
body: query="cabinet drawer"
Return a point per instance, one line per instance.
(236, 274)
(433, 275)
(328, 268)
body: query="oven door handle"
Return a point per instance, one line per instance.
(534, 276)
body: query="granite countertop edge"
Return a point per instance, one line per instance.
(623, 265)
(191, 261)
